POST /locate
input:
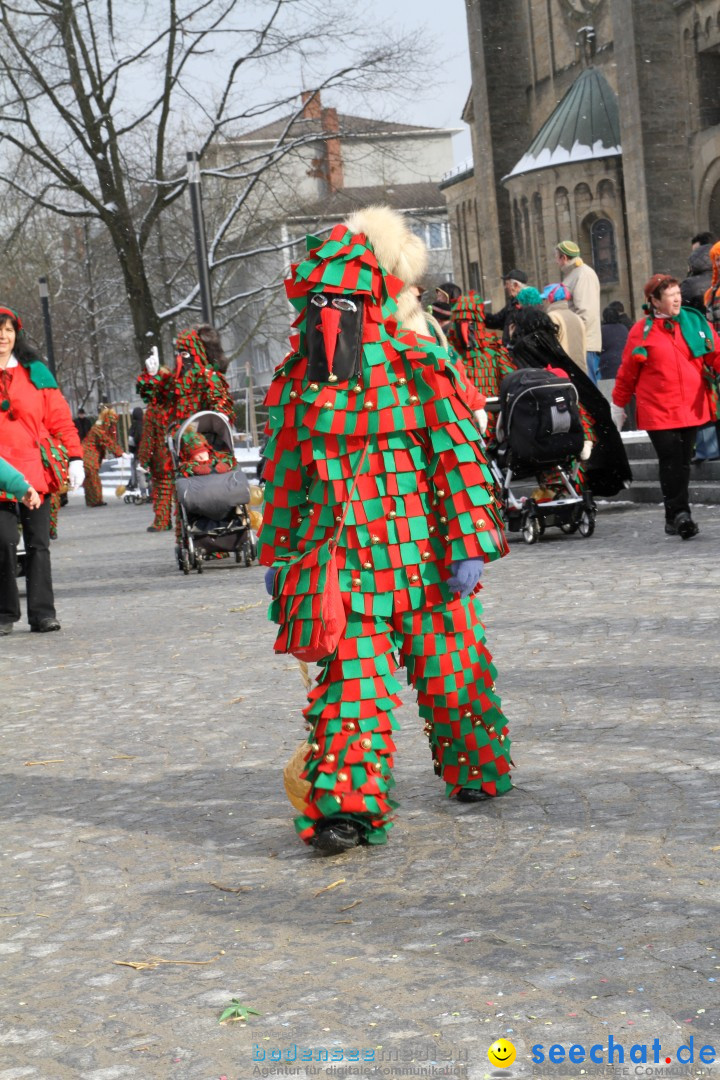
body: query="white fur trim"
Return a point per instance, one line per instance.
(396, 248)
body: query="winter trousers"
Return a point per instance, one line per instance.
(351, 712)
(163, 489)
(674, 448)
(93, 487)
(36, 531)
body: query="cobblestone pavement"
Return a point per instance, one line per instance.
(144, 817)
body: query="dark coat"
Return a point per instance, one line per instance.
(699, 278)
(607, 470)
(500, 320)
(614, 336)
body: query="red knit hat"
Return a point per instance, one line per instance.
(10, 314)
(658, 281)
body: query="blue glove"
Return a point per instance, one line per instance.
(465, 575)
(270, 575)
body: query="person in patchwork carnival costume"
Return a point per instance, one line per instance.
(365, 371)
(153, 455)
(196, 383)
(486, 359)
(101, 440)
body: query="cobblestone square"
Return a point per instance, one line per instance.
(144, 820)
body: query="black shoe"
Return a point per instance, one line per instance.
(698, 460)
(685, 526)
(335, 835)
(44, 626)
(670, 529)
(5, 628)
(474, 795)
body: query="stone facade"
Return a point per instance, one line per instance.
(630, 214)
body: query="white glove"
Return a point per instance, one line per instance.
(152, 364)
(76, 474)
(586, 450)
(619, 416)
(481, 419)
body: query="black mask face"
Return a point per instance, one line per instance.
(334, 326)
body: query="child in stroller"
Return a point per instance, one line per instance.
(212, 493)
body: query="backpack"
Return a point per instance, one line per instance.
(541, 416)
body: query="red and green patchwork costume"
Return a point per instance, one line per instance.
(486, 359)
(153, 455)
(100, 440)
(424, 500)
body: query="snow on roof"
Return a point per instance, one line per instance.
(584, 125)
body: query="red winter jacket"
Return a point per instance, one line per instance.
(33, 414)
(669, 387)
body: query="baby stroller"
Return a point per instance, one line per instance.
(212, 509)
(539, 430)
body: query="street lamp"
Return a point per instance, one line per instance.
(45, 304)
(201, 256)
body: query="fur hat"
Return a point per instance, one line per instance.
(396, 247)
(529, 297)
(213, 347)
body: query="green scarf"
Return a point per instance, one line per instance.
(693, 327)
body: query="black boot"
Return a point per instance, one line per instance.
(335, 835)
(685, 527)
(474, 795)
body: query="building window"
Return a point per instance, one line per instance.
(474, 277)
(604, 252)
(434, 234)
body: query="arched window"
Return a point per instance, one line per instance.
(604, 251)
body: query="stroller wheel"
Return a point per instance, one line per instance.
(569, 527)
(238, 555)
(199, 562)
(185, 561)
(586, 524)
(531, 530)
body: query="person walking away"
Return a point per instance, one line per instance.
(100, 441)
(614, 338)
(37, 438)
(663, 365)
(571, 328)
(584, 286)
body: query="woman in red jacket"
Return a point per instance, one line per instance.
(37, 434)
(664, 364)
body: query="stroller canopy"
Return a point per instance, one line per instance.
(213, 425)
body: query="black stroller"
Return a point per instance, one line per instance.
(212, 509)
(539, 430)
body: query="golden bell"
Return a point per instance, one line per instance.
(297, 789)
(256, 495)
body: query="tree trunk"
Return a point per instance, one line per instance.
(146, 324)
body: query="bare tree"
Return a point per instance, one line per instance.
(94, 101)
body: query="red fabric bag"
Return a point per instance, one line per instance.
(307, 602)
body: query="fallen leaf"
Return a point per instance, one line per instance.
(354, 904)
(235, 700)
(153, 962)
(230, 888)
(247, 607)
(48, 761)
(123, 757)
(340, 881)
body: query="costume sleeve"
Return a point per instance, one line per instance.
(473, 397)
(286, 488)
(217, 394)
(464, 489)
(630, 368)
(145, 446)
(12, 481)
(58, 420)
(155, 388)
(496, 320)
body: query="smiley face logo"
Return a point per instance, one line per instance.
(501, 1053)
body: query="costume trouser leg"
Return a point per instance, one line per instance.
(162, 497)
(451, 669)
(93, 487)
(351, 743)
(54, 511)
(674, 448)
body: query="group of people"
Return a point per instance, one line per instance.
(42, 454)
